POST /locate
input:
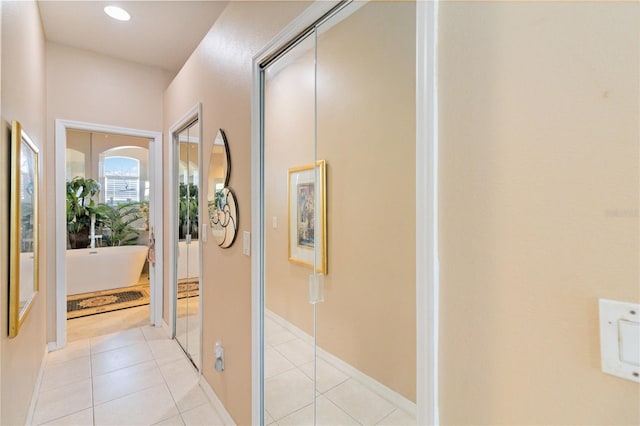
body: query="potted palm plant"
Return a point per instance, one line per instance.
(188, 211)
(80, 207)
(119, 222)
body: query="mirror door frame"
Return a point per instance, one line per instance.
(427, 265)
(192, 115)
(155, 219)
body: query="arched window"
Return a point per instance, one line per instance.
(121, 180)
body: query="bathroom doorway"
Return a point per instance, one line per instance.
(108, 232)
(108, 187)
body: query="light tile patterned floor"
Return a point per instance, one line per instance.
(133, 377)
(141, 367)
(342, 400)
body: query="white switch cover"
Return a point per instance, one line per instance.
(629, 342)
(274, 222)
(246, 243)
(620, 339)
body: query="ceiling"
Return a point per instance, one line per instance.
(160, 33)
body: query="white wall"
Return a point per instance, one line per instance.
(86, 86)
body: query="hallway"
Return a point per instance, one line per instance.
(137, 376)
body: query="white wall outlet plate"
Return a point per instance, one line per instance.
(620, 339)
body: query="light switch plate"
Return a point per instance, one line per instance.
(620, 339)
(246, 243)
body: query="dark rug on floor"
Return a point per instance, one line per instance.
(188, 288)
(80, 305)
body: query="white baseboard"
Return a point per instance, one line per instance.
(36, 388)
(217, 404)
(367, 381)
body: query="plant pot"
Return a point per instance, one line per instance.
(79, 240)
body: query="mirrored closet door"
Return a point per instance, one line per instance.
(339, 221)
(187, 279)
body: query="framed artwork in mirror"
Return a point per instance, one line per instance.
(307, 216)
(24, 229)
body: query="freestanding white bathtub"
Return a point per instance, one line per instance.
(188, 259)
(104, 268)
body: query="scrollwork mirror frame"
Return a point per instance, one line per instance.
(227, 154)
(21, 267)
(223, 206)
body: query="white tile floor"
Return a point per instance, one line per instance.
(140, 376)
(133, 377)
(342, 400)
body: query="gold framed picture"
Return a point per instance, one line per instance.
(307, 216)
(24, 229)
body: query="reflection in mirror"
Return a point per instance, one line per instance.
(220, 162)
(23, 272)
(187, 278)
(221, 201)
(223, 214)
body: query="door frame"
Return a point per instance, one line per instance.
(427, 273)
(193, 114)
(427, 263)
(155, 218)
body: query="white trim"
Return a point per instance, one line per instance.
(217, 404)
(257, 229)
(367, 381)
(156, 286)
(191, 115)
(427, 273)
(36, 388)
(306, 18)
(156, 223)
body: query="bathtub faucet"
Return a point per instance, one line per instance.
(92, 234)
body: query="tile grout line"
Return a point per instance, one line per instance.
(342, 409)
(348, 377)
(387, 416)
(164, 379)
(93, 405)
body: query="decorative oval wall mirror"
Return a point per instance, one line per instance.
(222, 206)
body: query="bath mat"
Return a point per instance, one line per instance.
(188, 288)
(80, 305)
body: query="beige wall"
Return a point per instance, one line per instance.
(218, 74)
(539, 169)
(366, 135)
(23, 99)
(89, 87)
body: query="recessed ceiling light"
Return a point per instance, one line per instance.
(117, 13)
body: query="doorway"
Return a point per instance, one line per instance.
(338, 220)
(153, 193)
(185, 225)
